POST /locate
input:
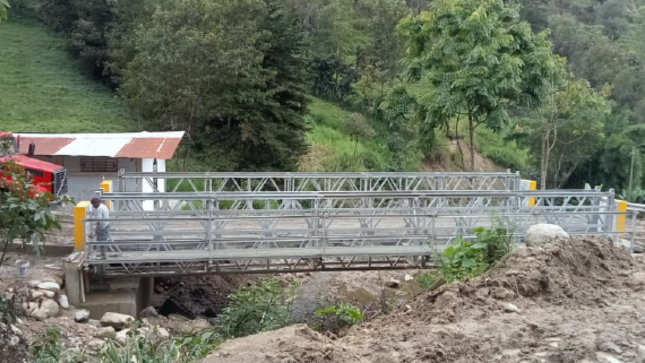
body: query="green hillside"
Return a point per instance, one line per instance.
(42, 90)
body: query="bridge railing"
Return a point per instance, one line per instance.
(232, 232)
(320, 182)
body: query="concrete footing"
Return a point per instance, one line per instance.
(125, 296)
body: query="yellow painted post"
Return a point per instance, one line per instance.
(79, 230)
(106, 185)
(532, 185)
(621, 206)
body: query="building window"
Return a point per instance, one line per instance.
(99, 165)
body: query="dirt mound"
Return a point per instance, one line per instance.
(566, 301)
(580, 270)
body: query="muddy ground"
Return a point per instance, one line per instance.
(579, 300)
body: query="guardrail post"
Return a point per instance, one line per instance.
(621, 219)
(80, 213)
(106, 187)
(610, 223)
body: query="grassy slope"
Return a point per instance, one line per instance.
(41, 89)
(326, 132)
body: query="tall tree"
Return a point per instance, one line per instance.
(193, 60)
(479, 59)
(230, 73)
(277, 138)
(567, 128)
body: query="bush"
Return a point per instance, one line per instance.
(426, 279)
(337, 317)
(140, 348)
(464, 259)
(257, 308)
(49, 349)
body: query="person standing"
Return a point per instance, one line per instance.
(102, 212)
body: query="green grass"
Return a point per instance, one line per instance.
(41, 89)
(325, 121)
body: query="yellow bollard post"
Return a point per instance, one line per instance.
(621, 207)
(79, 228)
(532, 185)
(106, 185)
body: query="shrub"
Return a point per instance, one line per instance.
(336, 317)
(49, 349)
(257, 308)
(140, 348)
(465, 259)
(426, 279)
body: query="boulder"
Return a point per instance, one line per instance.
(51, 307)
(48, 294)
(32, 307)
(636, 282)
(95, 323)
(116, 320)
(36, 295)
(34, 283)
(121, 337)
(55, 279)
(49, 286)
(39, 314)
(511, 308)
(148, 312)
(62, 301)
(539, 234)
(105, 333)
(81, 316)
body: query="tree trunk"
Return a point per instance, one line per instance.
(4, 252)
(471, 130)
(544, 163)
(461, 152)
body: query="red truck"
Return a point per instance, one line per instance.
(45, 176)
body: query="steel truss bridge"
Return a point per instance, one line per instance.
(349, 221)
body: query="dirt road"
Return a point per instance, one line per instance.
(569, 301)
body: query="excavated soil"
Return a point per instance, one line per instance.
(578, 300)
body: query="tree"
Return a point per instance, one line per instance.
(479, 60)
(230, 73)
(24, 214)
(4, 5)
(567, 128)
(357, 127)
(278, 137)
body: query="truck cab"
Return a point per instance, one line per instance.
(46, 177)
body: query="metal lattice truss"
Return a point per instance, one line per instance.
(321, 182)
(199, 233)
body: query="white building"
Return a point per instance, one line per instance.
(91, 158)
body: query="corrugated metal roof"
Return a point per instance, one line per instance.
(159, 145)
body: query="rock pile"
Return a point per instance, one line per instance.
(46, 299)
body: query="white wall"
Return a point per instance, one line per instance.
(83, 185)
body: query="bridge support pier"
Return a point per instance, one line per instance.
(124, 295)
